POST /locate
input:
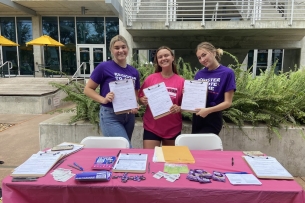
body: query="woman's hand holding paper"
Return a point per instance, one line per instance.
(144, 100)
(136, 110)
(175, 109)
(203, 112)
(108, 98)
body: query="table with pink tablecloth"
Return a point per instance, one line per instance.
(46, 189)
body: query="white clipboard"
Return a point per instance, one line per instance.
(267, 167)
(194, 95)
(159, 100)
(131, 162)
(124, 96)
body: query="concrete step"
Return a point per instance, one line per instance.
(29, 95)
(29, 85)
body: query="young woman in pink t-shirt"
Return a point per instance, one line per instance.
(167, 128)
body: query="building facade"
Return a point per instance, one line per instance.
(257, 32)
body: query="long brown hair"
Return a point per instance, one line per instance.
(159, 68)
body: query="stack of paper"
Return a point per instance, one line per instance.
(243, 179)
(158, 155)
(175, 168)
(62, 175)
(253, 153)
(66, 153)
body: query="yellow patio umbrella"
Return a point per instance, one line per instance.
(45, 40)
(6, 42)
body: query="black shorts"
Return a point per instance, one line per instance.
(147, 135)
(210, 124)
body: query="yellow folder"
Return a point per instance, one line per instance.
(177, 154)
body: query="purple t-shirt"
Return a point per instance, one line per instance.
(109, 71)
(220, 80)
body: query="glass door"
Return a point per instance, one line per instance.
(89, 56)
(1, 62)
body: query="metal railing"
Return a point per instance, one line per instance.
(9, 67)
(212, 10)
(78, 71)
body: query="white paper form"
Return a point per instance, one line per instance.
(37, 165)
(124, 95)
(158, 155)
(194, 95)
(132, 162)
(267, 167)
(243, 179)
(159, 100)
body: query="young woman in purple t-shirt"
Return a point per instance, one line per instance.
(113, 125)
(167, 128)
(221, 89)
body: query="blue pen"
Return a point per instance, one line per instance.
(81, 168)
(241, 172)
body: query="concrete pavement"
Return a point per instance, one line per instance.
(20, 141)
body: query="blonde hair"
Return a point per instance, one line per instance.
(209, 47)
(116, 39)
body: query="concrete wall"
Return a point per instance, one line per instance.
(291, 57)
(128, 38)
(31, 104)
(37, 50)
(58, 129)
(302, 58)
(289, 149)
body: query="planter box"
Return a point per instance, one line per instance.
(289, 150)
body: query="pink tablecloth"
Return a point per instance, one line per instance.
(46, 189)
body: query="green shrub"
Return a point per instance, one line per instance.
(86, 108)
(270, 99)
(274, 100)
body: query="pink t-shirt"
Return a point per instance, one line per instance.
(170, 125)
